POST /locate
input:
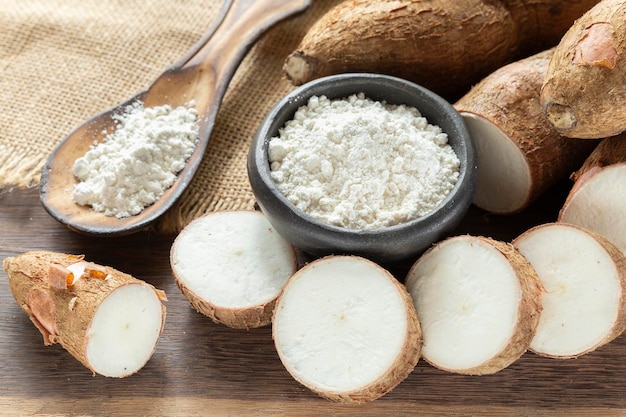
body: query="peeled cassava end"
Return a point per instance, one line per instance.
(231, 266)
(478, 301)
(346, 328)
(585, 280)
(106, 319)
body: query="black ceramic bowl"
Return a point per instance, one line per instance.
(386, 244)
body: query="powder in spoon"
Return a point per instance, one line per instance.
(136, 163)
(362, 164)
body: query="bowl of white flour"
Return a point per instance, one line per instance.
(363, 164)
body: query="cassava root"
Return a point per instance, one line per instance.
(108, 320)
(443, 45)
(584, 93)
(520, 154)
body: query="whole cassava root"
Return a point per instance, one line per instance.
(597, 199)
(478, 301)
(444, 45)
(584, 91)
(520, 154)
(106, 319)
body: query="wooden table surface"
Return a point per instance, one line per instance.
(202, 368)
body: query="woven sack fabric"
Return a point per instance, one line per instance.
(62, 61)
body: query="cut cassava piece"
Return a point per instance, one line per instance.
(231, 266)
(597, 201)
(520, 155)
(107, 320)
(346, 328)
(443, 45)
(584, 91)
(584, 276)
(478, 301)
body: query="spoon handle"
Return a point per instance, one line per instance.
(208, 34)
(243, 23)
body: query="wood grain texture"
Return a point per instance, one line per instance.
(202, 368)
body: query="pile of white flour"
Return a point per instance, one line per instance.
(137, 162)
(362, 164)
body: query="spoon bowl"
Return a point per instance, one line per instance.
(202, 76)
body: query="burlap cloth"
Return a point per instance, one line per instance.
(62, 61)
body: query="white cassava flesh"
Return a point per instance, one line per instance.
(598, 197)
(106, 319)
(504, 181)
(585, 281)
(599, 204)
(478, 301)
(520, 155)
(231, 266)
(124, 330)
(346, 328)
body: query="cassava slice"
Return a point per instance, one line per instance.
(585, 280)
(444, 45)
(584, 92)
(520, 154)
(231, 266)
(597, 201)
(346, 328)
(106, 319)
(478, 301)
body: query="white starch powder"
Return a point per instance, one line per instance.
(362, 164)
(137, 162)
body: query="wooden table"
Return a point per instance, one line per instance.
(201, 368)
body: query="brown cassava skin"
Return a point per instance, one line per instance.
(242, 318)
(67, 312)
(608, 152)
(509, 98)
(542, 23)
(620, 264)
(528, 314)
(401, 368)
(584, 91)
(443, 45)
(529, 310)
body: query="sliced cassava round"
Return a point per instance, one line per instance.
(231, 266)
(346, 328)
(444, 45)
(520, 154)
(584, 91)
(107, 320)
(584, 276)
(597, 201)
(478, 301)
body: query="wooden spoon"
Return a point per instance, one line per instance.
(202, 75)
